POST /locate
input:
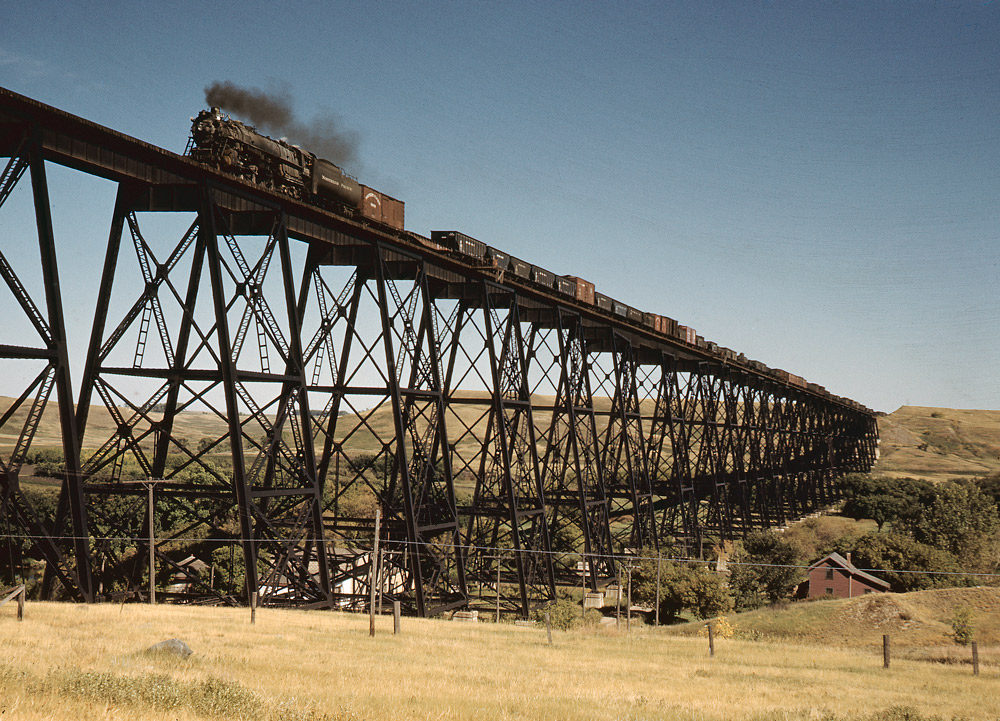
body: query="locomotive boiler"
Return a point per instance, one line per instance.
(236, 148)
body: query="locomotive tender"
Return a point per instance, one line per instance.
(233, 147)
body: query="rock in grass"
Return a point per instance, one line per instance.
(171, 645)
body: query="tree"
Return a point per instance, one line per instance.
(706, 594)
(991, 487)
(672, 577)
(906, 562)
(683, 586)
(764, 569)
(963, 627)
(962, 520)
(885, 500)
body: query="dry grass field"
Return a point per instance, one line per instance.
(939, 443)
(919, 622)
(71, 662)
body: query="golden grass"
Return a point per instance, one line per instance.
(919, 623)
(939, 443)
(68, 661)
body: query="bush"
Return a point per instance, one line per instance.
(721, 628)
(564, 613)
(35, 456)
(705, 594)
(962, 626)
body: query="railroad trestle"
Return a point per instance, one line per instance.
(514, 439)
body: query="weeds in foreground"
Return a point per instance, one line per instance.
(210, 697)
(906, 713)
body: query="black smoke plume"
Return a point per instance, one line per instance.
(271, 111)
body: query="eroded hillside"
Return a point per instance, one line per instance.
(939, 443)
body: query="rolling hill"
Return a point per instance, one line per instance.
(939, 443)
(916, 441)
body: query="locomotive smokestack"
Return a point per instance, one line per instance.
(271, 111)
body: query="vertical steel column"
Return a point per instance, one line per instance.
(71, 495)
(702, 460)
(208, 237)
(296, 387)
(21, 522)
(734, 442)
(675, 404)
(719, 516)
(758, 471)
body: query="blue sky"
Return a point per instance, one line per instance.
(814, 184)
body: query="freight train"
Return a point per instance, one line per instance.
(233, 147)
(238, 149)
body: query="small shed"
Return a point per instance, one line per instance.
(834, 576)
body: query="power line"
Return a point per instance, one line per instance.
(364, 545)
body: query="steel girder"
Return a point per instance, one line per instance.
(572, 443)
(729, 453)
(623, 452)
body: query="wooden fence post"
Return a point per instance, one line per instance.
(975, 659)
(498, 587)
(395, 617)
(659, 560)
(628, 602)
(711, 639)
(19, 592)
(618, 598)
(253, 608)
(381, 576)
(885, 651)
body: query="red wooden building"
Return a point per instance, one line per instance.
(834, 576)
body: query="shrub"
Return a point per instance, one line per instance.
(962, 627)
(721, 628)
(564, 612)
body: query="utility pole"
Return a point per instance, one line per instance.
(150, 483)
(374, 575)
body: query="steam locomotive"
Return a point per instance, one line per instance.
(238, 149)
